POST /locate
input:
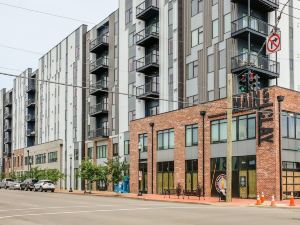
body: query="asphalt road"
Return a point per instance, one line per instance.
(35, 208)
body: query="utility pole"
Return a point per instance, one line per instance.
(229, 140)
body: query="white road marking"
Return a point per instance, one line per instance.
(53, 207)
(93, 211)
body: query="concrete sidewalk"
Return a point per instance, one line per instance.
(193, 200)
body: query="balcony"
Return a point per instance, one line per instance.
(259, 29)
(99, 109)
(7, 127)
(99, 44)
(100, 132)
(99, 65)
(148, 36)
(30, 132)
(148, 91)
(7, 150)
(30, 118)
(7, 102)
(148, 9)
(98, 87)
(7, 139)
(30, 102)
(7, 115)
(30, 87)
(262, 5)
(262, 65)
(148, 64)
(153, 111)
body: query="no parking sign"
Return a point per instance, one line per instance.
(273, 43)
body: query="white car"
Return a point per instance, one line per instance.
(44, 185)
(15, 185)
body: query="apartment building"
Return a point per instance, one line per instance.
(2, 100)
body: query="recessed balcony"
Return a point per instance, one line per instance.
(30, 87)
(99, 44)
(7, 115)
(149, 91)
(262, 65)
(147, 9)
(7, 139)
(30, 102)
(100, 132)
(99, 109)
(149, 36)
(30, 132)
(262, 5)
(99, 65)
(8, 101)
(148, 64)
(99, 87)
(30, 118)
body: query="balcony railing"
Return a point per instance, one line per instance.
(8, 101)
(7, 139)
(252, 24)
(98, 64)
(98, 86)
(148, 36)
(150, 89)
(30, 132)
(99, 108)
(148, 63)
(99, 42)
(147, 9)
(7, 127)
(262, 5)
(100, 132)
(153, 111)
(30, 118)
(7, 115)
(260, 62)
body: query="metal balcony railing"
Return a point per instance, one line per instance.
(7, 127)
(149, 31)
(153, 111)
(99, 63)
(145, 6)
(99, 85)
(7, 139)
(8, 101)
(30, 117)
(150, 59)
(30, 132)
(149, 89)
(7, 114)
(251, 23)
(30, 86)
(99, 132)
(252, 60)
(99, 108)
(30, 102)
(103, 39)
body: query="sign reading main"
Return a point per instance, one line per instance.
(259, 100)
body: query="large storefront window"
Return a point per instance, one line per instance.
(243, 128)
(191, 175)
(243, 176)
(165, 176)
(291, 178)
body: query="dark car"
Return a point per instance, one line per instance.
(28, 184)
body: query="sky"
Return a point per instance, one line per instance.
(38, 33)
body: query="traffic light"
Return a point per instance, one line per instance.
(254, 83)
(243, 84)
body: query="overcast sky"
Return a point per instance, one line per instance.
(38, 32)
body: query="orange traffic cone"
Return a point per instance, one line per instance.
(273, 203)
(258, 201)
(262, 198)
(292, 200)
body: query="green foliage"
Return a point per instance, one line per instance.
(116, 170)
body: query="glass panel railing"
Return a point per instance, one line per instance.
(103, 61)
(145, 5)
(103, 39)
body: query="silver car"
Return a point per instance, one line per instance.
(14, 185)
(44, 185)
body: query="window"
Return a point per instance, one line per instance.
(243, 128)
(116, 149)
(40, 159)
(197, 37)
(30, 161)
(131, 64)
(290, 125)
(131, 39)
(102, 152)
(52, 157)
(210, 63)
(193, 100)
(191, 135)
(126, 147)
(196, 7)
(215, 28)
(222, 59)
(90, 153)
(76, 154)
(131, 116)
(143, 144)
(227, 23)
(131, 90)
(192, 70)
(128, 16)
(165, 139)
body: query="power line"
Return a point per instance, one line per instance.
(46, 13)
(21, 49)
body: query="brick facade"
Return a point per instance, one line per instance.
(267, 153)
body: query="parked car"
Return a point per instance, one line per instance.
(14, 185)
(28, 184)
(5, 183)
(44, 185)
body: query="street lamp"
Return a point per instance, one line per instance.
(280, 99)
(140, 147)
(28, 161)
(71, 190)
(152, 131)
(12, 159)
(203, 113)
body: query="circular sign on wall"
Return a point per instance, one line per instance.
(220, 183)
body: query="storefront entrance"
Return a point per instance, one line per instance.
(143, 178)
(165, 176)
(243, 176)
(191, 175)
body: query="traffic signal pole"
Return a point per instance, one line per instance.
(229, 139)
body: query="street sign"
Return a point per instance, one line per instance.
(273, 43)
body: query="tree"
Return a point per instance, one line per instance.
(54, 175)
(101, 174)
(12, 175)
(116, 170)
(87, 171)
